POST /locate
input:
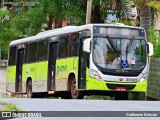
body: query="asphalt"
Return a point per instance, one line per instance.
(85, 105)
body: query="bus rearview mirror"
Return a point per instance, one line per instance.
(87, 45)
(150, 49)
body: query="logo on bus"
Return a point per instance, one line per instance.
(121, 79)
(61, 68)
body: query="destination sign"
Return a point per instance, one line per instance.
(119, 31)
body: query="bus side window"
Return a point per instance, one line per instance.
(12, 56)
(32, 52)
(63, 47)
(26, 54)
(73, 51)
(42, 50)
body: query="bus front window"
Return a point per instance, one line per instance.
(119, 54)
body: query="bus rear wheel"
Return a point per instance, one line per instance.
(75, 94)
(29, 89)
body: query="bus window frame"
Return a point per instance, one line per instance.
(78, 40)
(28, 52)
(66, 35)
(46, 40)
(15, 59)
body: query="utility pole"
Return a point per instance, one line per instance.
(89, 11)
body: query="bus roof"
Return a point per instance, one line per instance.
(50, 33)
(61, 31)
(58, 29)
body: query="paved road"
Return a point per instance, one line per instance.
(82, 105)
(85, 105)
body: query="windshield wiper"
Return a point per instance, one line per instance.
(117, 51)
(111, 43)
(127, 50)
(128, 44)
(109, 39)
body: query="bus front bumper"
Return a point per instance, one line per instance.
(94, 84)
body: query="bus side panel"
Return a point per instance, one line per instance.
(28, 72)
(11, 77)
(41, 76)
(63, 68)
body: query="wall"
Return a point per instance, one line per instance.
(3, 66)
(2, 73)
(157, 24)
(153, 89)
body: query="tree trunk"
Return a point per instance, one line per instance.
(145, 19)
(50, 22)
(96, 14)
(88, 13)
(0, 3)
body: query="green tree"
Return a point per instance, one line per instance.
(144, 12)
(3, 12)
(30, 21)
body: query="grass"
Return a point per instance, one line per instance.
(131, 96)
(9, 107)
(97, 97)
(5, 96)
(50, 97)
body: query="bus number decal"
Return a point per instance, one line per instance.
(131, 79)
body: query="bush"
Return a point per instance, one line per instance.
(157, 49)
(152, 37)
(155, 40)
(130, 23)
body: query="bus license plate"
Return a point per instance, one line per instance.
(120, 89)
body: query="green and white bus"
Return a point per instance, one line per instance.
(81, 60)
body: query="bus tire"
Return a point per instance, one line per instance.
(75, 94)
(29, 89)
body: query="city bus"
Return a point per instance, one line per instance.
(103, 59)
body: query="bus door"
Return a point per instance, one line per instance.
(19, 65)
(52, 65)
(83, 63)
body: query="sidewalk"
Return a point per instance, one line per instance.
(3, 92)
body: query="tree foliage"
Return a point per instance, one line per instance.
(28, 21)
(153, 4)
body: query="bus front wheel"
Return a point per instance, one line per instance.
(29, 89)
(75, 94)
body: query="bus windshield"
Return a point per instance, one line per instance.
(117, 53)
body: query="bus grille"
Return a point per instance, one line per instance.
(114, 86)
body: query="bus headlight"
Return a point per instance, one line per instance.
(95, 74)
(142, 79)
